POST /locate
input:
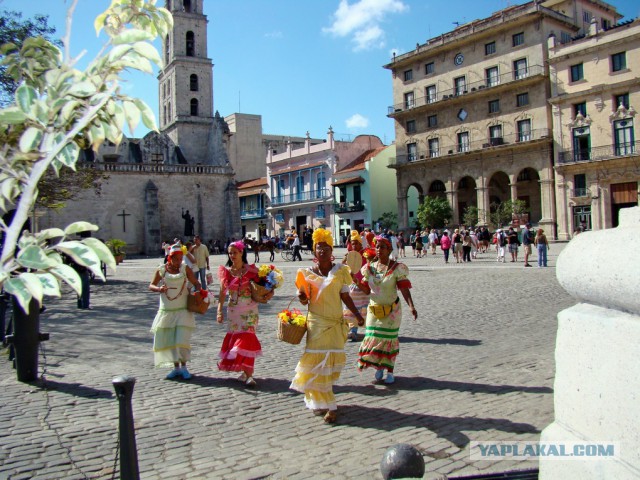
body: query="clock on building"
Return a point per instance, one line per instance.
(458, 59)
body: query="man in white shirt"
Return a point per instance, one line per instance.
(296, 247)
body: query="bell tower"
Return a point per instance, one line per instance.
(186, 84)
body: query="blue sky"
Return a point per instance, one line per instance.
(304, 65)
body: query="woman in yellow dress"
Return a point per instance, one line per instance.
(323, 287)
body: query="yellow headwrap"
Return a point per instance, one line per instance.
(356, 236)
(322, 235)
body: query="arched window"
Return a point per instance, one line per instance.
(190, 45)
(194, 107)
(187, 5)
(164, 114)
(169, 112)
(193, 83)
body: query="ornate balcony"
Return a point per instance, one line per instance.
(509, 140)
(480, 86)
(349, 207)
(596, 154)
(249, 214)
(302, 197)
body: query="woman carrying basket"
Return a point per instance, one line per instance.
(240, 346)
(382, 280)
(323, 287)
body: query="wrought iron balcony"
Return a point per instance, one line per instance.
(462, 148)
(279, 217)
(479, 86)
(252, 213)
(595, 154)
(581, 192)
(300, 197)
(346, 207)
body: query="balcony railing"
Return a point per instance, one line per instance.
(252, 213)
(154, 167)
(279, 217)
(349, 207)
(599, 153)
(309, 196)
(461, 148)
(581, 192)
(517, 75)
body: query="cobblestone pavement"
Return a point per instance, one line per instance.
(477, 366)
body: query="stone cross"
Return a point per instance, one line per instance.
(123, 215)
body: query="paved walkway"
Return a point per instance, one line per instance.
(477, 365)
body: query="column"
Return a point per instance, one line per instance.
(548, 206)
(482, 198)
(563, 210)
(452, 196)
(403, 213)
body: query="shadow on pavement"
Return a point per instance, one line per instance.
(450, 428)
(424, 383)
(75, 389)
(442, 341)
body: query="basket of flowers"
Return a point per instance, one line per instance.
(269, 278)
(292, 325)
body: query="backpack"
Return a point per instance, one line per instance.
(502, 239)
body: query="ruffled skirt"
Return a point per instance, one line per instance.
(322, 362)
(380, 345)
(239, 351)
(172, 330)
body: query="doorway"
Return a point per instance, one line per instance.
(623, 195)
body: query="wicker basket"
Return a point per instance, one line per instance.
(197, 304)
(290, 333)
(258, 292)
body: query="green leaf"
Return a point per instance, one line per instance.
(12, 116)
(82, 89)
(7, 188)
(32, 283)
(118, 52)
(69, 276)
(3, 277)
(148, 118)
(100, 249)
(50, 284)
(98, 23)
(148, 51)
(77, 227)
(35, 257)
(79, 253)
(25, 96)
(131, 35)
(132, 114)
(30, 139)
(69, 154)
(16, 287)
(49, 233)
(68, 111)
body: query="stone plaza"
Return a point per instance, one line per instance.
(477, 365)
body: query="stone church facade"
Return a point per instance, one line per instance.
(156, 182)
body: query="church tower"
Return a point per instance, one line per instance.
(186, 89)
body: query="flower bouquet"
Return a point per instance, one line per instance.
(292, 325)
(269, 278)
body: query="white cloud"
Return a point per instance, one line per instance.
(357, 121)
(274, 34)
(361, 20)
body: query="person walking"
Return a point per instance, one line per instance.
(324, 287)
(527, 240)
(360, 299)
(466, 247)
(173, 325)
(513, 242)
(542, 244)
(240, 346)
(445, 245)
(201, 254)
(382, 280)
(296, 247)
(456, 239)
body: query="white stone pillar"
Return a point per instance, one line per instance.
(597, 383)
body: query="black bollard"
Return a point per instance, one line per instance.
(123, 386)
(25, 340)
(402, 461)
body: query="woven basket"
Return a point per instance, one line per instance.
(258, 292)
(197, 304)
(290, 333)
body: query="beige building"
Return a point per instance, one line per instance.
(594, 95)
(470, 107)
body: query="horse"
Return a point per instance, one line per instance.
(257, 247)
